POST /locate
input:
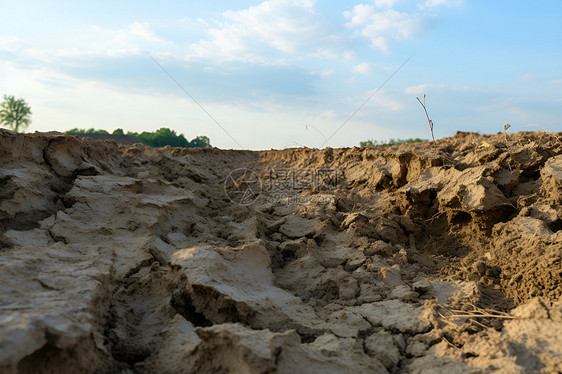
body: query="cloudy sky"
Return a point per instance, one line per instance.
(285, 73)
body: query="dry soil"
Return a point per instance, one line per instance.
(398, 259)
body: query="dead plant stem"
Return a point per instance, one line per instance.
(430, 122)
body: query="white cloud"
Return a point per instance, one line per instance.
(416, 90)
(384, 3)
(510, 105)
(383, 100)
(12, 43)
(324, 73)
(135, 38)
(423, 88)
(25, 51)
(383, 26)
(436, 3)
(362, 68)
(528, 77)
(330, 114)
(388, 103)
(135, 31)
(270, 32)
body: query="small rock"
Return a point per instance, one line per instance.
(551, 175)
(347, 351)
(346, 324)
(290, 247)
(403, 293)
(421, 286)
(382, 346)
(347, 288)
(277, 236)
(379, 248)
(370, 293)
(274, 226)
(297, 227)
(429, 338)
(395, 315)
(354, 263)
(416, 348)
(177, 239)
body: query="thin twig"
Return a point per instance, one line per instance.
(487, 309)
(451, 344)
(505, 134)
(482, 316)
(430, 122)
(507, 143)
(477, 312)
(478, 323)
(434, 217)
(431, 240)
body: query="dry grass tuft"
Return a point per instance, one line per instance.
(472, 313)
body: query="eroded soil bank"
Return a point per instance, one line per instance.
(129, 259)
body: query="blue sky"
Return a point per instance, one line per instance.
(286, 73)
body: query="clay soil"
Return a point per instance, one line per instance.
(398, 259)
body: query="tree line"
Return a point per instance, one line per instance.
(159, 138)
(15, 114)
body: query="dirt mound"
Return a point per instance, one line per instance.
(120, 259)
(118, 138)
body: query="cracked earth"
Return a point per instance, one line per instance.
(130, 259)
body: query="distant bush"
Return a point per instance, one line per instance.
(77, 131)
(376, 143)
(160, 138)
(200, 142)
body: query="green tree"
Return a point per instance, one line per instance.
(117, 132)
(200, 141)
(15, 114)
